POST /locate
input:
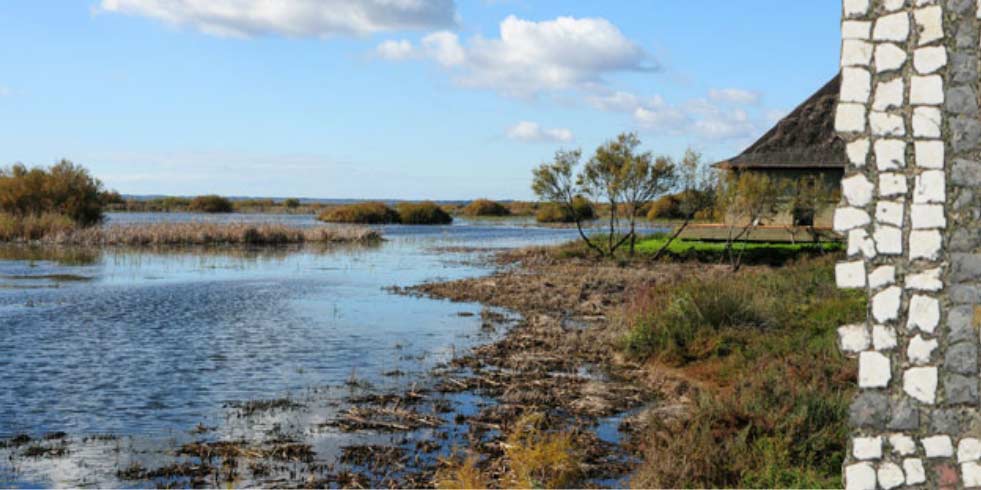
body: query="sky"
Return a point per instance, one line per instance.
(396, 99)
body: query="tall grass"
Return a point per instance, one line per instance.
(208, 234)
(762, 342)
(33, 226)
(368, 213)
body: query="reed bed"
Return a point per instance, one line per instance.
(199, 233)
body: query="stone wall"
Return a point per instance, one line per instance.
(911, 210)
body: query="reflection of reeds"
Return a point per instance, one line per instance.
(199, 233)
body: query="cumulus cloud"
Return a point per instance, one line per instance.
(294, 18)
(532, 132)
(395, 50)
(734, 96)
(530, 57)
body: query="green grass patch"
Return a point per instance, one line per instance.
(775, 411)
(753, 252)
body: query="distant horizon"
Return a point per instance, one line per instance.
(449, 98)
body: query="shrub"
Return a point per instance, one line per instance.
(369, 213)
(291, 203)
(673, 206)
(423, 213)
(211, 204)
(555, 213)
(64, 188)
(485, 207)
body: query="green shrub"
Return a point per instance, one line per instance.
(291, 203)
(423, 213)
(64, 188)
(369, 213)
(485, 207)
(556, 213)
(211, 204)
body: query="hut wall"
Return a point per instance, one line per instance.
(911, 209)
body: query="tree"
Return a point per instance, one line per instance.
(697, 193)
(745, 199)
(554, 182)
(64, 188)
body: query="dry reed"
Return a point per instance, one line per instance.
(199, 233)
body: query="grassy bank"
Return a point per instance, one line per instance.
(773, 399)
(207, 234)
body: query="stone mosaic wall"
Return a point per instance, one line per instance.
(911, 211)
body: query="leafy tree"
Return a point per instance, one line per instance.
(697, 193)
(745, 200)
(554, 182)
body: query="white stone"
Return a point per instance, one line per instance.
(971, 474)
(859, 241)
(929, 60)
(858, 152)
(902, 444)
(968, 449)
(867, 447)
(926, 216)
(848, 218)
(890, 154)
(928, 280)
(856, 29)
(894, 27)
(885, 304)
(888, 57)
(889, 212)
(928, 90)
(856, 85)
(921, 383)
(855, 53)
(860, 476)
(926, 122)
(850, 275)
(888, 240)
(893, 5)
(850, 118)
(857, 190)
(919, 351)
(924, 313)
(873, 370)
(889, 95)
(891, 183)
(883, 337)
(930, 186)
(937, 446)
(856, 7)
(930, 23)
(882, 276)
(925, 244)
(915, 474)
(929, 154)
(853, 338)
(885, 124)
(890, 475)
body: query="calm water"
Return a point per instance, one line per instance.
(149, 344)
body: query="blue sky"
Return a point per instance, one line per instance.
(401, 99)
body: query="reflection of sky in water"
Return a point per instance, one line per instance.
(141, 343)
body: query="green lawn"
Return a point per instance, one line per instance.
(681, 247)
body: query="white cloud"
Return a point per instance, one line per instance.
(295, 18)
(533, 132)
(734, 96)
(4, 91)
(534, 57)
(395, 50)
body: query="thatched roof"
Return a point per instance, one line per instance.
(806, 138)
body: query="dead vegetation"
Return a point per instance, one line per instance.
(202, 233)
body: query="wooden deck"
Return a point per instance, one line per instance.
(781, 234)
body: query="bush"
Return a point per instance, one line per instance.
(291, 203)
(423, 213)
(211, 204)
(556, 213)
(485, 207)
(672, 206)
(64, 188)
(369, 213)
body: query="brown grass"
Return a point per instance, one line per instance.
(197, 233)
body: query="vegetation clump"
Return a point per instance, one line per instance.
(581, 209)
(211, 203)
(368, 213)
(774, 404)
(423, 213)
(211, 234)
(485, 207)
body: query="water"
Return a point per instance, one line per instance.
(149, 344)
